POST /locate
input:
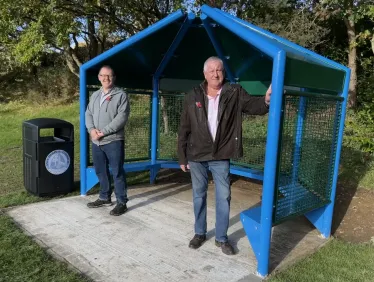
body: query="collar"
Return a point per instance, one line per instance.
(218, 93)
(103, 93)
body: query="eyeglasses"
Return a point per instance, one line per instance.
(214, 71)
(106, 76)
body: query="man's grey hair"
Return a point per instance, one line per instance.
(211, 59)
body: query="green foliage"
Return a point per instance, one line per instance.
(359, 131)
(40, 85)
(29, 29)
(31, 45)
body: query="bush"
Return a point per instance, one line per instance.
(359, 131)
(41, 85)
(359, 126)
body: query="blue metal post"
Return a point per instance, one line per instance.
(155, 99)
(154, 128)
(82, 129)
(270, 171)
(322, 218)
(217, 46)
(249, 218)
(298, 138)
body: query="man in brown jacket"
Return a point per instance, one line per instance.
(210, 134)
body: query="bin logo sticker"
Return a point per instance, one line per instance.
(57, 162)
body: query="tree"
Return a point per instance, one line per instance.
(289, 19)
(350, 12)
(29, 28)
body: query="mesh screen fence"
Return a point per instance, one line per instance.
(254, 142)
(307, 150)
(306, 160)
(137, 129)
(254, 133)
(170, 110)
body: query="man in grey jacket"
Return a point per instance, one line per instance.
(106, 117)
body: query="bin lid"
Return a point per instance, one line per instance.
(48, 123)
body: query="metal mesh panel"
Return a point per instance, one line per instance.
(170, 110)
(254, 142)
(307, 152)
(137, 129)
(254, 133)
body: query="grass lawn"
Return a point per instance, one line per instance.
(335, 262)
(12, 191)
(21, 259)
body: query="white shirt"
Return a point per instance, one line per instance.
(213, 103)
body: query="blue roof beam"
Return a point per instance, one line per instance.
(174, 45)
(134, 39)
(247, 63)
(257, 41)
(299, 49)
(217, 46)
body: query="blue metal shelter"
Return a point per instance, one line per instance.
(300, 161)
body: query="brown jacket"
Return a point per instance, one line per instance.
(195, 142)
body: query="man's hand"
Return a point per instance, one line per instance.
(185, 167)
(96, 134)
(267, 95)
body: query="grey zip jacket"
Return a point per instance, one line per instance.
(111, 117)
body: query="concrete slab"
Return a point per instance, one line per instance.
(150, 242)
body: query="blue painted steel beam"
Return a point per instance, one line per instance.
(91, 179)
(154, 131)
(174, 45)
(298, 49)
(217, 46)
(247, 63)
(246, 34)
(154, 120)
(155, 99)
(298, 138)
(134, 39)
(82, 129)
(247, 172)
(270, 171)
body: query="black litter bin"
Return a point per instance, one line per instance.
(48, 161)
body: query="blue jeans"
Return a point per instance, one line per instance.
(199, 175)
(113, 155)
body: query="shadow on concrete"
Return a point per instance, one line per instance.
(160, 197)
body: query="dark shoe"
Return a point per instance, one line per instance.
(99, 203)
(227, 249)
(119, 209)
(197, 241)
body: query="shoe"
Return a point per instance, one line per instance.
(227, 249)
(99, 203)
(197, 241)
(118, 209)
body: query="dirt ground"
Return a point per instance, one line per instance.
(354, 215)
(353, 219)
